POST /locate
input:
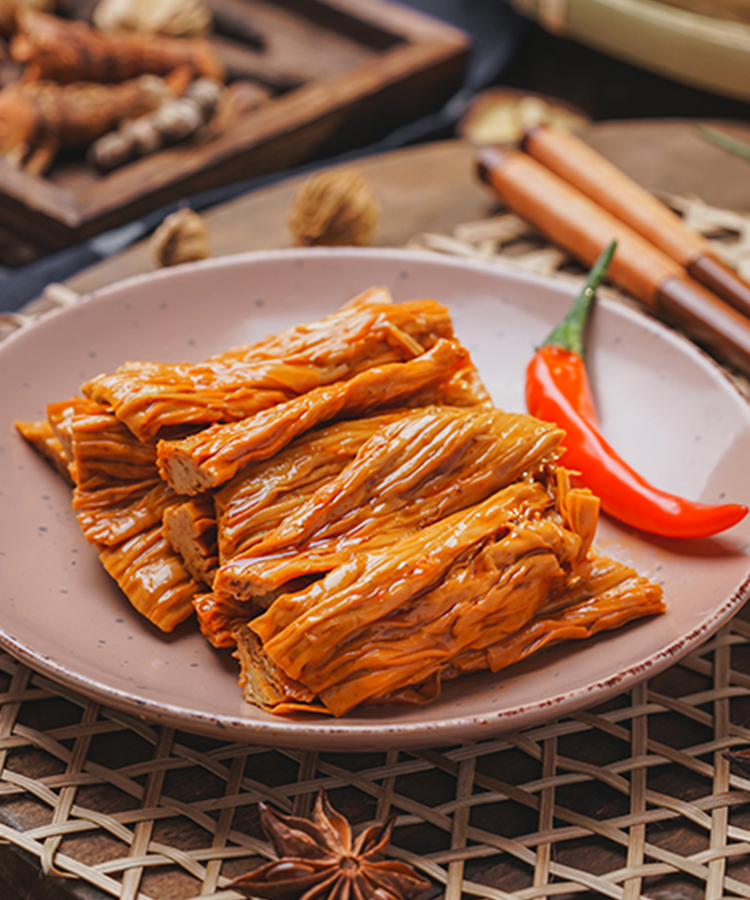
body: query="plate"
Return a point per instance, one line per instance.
(668, 408)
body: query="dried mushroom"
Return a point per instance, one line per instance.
(502, 117)
(336, 207)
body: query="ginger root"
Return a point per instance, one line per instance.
(68, 51)
(38, 118)
(175, 119)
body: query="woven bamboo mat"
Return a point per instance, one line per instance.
(630, 799)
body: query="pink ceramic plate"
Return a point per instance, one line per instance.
(663, 403)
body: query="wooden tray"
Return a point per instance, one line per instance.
(341, 73)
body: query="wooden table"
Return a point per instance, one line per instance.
(434, 188)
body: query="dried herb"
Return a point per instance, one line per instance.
(335, 207)
(319, 861)
(174, 119)
(182, 237)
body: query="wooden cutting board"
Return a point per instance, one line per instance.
(433, 187)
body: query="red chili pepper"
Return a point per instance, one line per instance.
(558, 390)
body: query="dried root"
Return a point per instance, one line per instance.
(39, 118)
(66, 51)
(175, 119)
(8, 12)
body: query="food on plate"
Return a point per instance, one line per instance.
(410, 472)
(342, 506)
(372, 632)
(190, 527)
(157, 399)
(393, 616)
(120, 502)
(608, 595)
(43, 439)
(152, 576)
(557, 389)
(211, 457)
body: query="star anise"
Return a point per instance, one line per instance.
(318, 860)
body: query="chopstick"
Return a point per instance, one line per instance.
(580, 165)
(584, 228)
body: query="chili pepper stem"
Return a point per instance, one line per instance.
(568, 334)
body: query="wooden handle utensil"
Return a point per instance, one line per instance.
(584, 229)
(581, 166)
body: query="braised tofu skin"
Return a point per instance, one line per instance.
(342, 507)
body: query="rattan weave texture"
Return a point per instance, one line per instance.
(631, 799)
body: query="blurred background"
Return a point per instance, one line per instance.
(598, 61)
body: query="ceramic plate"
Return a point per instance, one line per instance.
(663, 403)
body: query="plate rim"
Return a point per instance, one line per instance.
(317, 733)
